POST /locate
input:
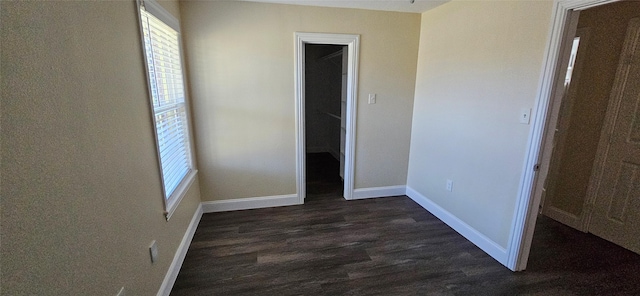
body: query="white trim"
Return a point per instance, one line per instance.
(158, 11)
(480, 240)
(181, 191)
(181, 252)
(250, 203)
(373, 192)
(352, 42)
(564, 217)
(171, 202)
(527, 202)
(583, 4)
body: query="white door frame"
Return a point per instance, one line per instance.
(528, 200)
(352, 42)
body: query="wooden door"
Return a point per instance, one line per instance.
(616, 208)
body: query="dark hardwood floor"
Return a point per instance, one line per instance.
(385, 246)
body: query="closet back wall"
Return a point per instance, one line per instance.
(323, 86)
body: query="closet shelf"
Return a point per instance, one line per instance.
(332, 55)
(332, 115)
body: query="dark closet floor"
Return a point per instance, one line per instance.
(323, 176)
(385, 246)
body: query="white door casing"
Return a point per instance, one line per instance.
(352, 42)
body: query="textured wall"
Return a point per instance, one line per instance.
(81, 193)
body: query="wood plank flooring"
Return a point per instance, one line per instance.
(385, 246)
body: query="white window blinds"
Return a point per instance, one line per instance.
(162, 52)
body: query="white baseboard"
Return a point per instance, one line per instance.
(249, 203)
(490, 247)
(563, 217)
(486, 244)
(373, 192)
(178, 258)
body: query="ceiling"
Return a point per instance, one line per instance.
(418, 6)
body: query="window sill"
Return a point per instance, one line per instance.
(173, 202)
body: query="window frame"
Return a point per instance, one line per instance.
(172, 201)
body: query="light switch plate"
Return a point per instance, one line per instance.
(372, 98)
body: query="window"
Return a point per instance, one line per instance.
(161, 33)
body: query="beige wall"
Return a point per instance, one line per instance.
(479, 64)
(607, 26)
(81, 194)
(241, 63)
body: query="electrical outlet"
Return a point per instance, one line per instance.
(449, 185)
(153, 251)
(121, 293)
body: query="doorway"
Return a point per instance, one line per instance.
(325, 122)
(349, 53)
(587, 172)
(594, 132)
